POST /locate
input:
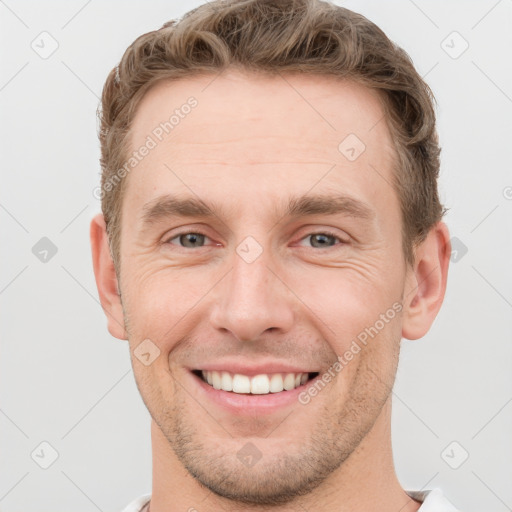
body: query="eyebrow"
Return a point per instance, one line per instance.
(329, 205)
(303, 206)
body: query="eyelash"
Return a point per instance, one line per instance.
(326, 233)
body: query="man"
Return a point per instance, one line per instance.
(271, 229)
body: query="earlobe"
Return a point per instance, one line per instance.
(426, 283)
(106, 279)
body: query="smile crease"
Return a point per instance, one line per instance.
(261, 384)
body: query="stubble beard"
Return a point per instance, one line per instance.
(277, 478)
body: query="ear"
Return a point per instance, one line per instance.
(426, 283)
(106, 279)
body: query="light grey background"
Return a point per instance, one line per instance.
(66, 381)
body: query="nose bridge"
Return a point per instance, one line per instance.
(252, 300)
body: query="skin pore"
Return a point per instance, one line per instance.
(257, 159)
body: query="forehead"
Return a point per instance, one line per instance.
(254, 131)
(314, 106)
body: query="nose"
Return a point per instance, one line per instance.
(252, 300)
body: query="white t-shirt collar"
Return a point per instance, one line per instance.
(432, 501)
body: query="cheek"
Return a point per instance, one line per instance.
(345, 302)
(159, 301)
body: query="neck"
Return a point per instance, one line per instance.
(365, 482)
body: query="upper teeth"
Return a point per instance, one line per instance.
(258, 385)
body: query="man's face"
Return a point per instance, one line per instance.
(267, 280)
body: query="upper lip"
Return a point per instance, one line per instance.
(250, 368)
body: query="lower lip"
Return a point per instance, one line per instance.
(251, 404)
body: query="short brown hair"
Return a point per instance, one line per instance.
(273, 36)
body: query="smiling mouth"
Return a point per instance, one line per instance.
(262, 384)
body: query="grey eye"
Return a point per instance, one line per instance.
(321, 240)
(191, 240)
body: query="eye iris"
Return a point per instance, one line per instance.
(191, 239)
(322, 240)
